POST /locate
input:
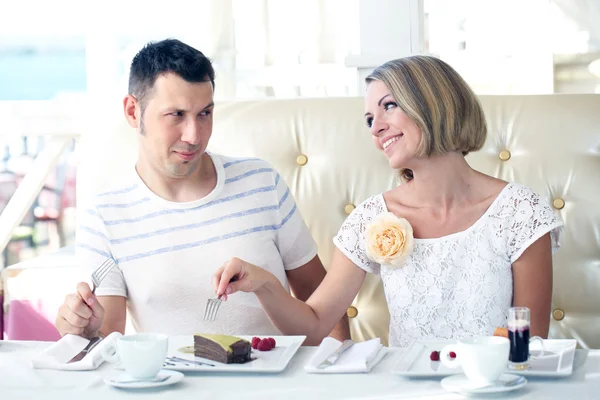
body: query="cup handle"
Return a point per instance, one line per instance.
(445, 357)
(109, 352)
(539, 339)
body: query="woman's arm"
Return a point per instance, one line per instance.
(532, 277)
(304, 281)
(315, 318)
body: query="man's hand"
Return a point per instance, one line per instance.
(81, 313)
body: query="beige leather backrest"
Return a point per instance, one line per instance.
(325, 153)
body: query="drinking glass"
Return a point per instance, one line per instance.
(519, 320)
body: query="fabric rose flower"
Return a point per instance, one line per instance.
(389, 240)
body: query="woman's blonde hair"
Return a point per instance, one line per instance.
(439, 101)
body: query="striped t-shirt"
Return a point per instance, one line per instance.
(167, 252)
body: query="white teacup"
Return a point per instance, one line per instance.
(483, 359)
(142, 355)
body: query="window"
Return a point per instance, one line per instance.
(518, 47)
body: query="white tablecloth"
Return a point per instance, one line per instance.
(19, 381)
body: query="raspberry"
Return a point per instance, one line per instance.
(255, 341)
(264, 345)
(434, 356)
(272, 341)
(452, 354)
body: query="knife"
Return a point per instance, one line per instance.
(174, 359)
(92, 343)
(329, 361)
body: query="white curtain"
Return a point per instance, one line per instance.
(498, 46)
(260, 48)
(288, 48)
(586, 15)
(117, 31)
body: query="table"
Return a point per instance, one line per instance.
(19, 381)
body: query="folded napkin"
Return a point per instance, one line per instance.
(361, 357)
(57, 356)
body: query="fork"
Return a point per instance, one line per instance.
(173, 360)
(101, 271)
(212, 305)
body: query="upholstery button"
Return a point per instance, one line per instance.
(558, 204)
(349, 208)
(504, 155)
(352, 312)
(558, 314)
(301, 159)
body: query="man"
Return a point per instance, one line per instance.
(176, 217)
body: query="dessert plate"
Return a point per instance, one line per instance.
(275, 360)
(557, 359)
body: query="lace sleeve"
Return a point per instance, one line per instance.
(350, 239)
(532, 219)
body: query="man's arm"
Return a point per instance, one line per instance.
(115, 314)
(303, 282)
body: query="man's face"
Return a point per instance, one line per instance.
(176, 125)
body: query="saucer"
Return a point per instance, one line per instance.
(537, 354)
(460, 384)
(124, 381)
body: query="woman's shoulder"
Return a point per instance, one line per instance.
(520, 190)
(515, 195)
(364, 212)
(524, 217)
(519, 204)
(370, 207)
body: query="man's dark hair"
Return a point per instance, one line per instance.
(169, 55)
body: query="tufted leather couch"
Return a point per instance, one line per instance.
(323, 150)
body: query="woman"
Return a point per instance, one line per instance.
(481, 245)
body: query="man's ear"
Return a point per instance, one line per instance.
(132, 111)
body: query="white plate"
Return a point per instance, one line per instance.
(123, 380)
(274, 360)
(558, 360)
(460, 384)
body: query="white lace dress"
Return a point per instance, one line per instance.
(458, 285)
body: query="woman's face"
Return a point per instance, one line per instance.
(393, 131)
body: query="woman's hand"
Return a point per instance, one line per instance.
(238, 275)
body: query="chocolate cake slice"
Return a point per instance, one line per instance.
(222, 348)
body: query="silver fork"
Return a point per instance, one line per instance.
(212, 305)
(100, 272)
